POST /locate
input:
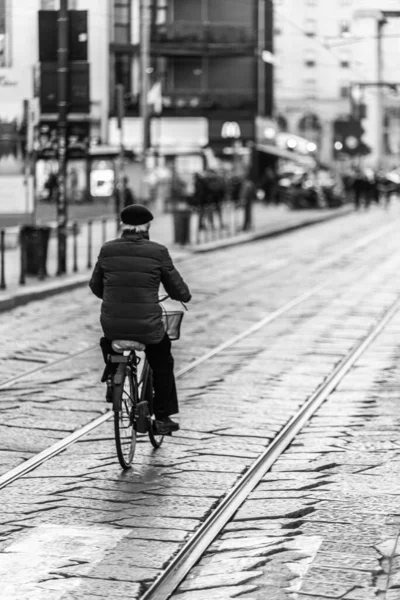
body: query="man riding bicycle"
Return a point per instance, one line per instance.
(127, 277)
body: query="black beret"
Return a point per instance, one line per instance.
(136, 214)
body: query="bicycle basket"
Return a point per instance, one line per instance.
(172, 323)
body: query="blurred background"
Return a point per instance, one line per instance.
(113, 101)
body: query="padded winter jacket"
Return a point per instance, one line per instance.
(127, 277)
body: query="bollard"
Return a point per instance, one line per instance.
(41, 258)
(104, 230)
(22, 243)
(89, 256)
(75, 246)
(2, 260)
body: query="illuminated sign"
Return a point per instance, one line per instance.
(231, 129)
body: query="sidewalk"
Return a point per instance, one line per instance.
(269, 221)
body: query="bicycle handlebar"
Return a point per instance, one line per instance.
(166, 297)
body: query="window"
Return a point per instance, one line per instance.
(345, 59)
(310, 27)
(309, 58)
(344, 91)
(49, 5)
(277, 26)
(161, 11)
(344, 28)
(123, 71)
(2, 33)
(311, 2)
(122, 21)
(310, 88)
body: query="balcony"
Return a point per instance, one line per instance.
(188, 38)
(193, 101)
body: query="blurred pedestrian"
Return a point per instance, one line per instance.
(128, 196)
(248, 196)
(268, 185)
(361, 189)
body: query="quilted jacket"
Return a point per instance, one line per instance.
(127, 277)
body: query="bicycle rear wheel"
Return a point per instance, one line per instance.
(125, 401)
(146, 393)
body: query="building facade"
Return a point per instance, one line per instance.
(204, 65)
(323, 49)
(28, 82)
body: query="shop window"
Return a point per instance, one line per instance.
(123, 71)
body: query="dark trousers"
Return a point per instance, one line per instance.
(161, 361)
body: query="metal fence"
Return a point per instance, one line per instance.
(36, 256)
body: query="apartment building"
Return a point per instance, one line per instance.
(205, 63)
(322, 50)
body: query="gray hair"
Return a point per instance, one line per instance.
(136, 228)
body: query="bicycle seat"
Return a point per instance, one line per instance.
(124, 345)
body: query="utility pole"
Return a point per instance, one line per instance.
(62, 105)
(380, 22)
(144, 74)
(121, 167)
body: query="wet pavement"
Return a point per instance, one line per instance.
(77, 527)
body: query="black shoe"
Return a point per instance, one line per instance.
(109, 391)
(165, 426)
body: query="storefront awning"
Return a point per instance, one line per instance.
(285, 154)
(169, 135)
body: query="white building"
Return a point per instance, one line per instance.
(20, 75)
(322, 49)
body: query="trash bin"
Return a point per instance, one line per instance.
(182, 214)
(34, 244)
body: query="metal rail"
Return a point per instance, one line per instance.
(61, 445)
(188, 556)
(325, 262)
(58, 447)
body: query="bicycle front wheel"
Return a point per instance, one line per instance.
(146, 393)
(124, 418)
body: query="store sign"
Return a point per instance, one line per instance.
(266, 130)
(231, 129)
(4, 82)
(47, 139)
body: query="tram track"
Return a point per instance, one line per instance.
(322, 263)
(55, 449)
(181, 564)
(193, 550)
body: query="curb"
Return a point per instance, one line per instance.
(68, 283)
(270, 233)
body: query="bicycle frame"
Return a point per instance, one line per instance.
(122, 360)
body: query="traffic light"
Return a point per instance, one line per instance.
(347, 138)
(78, 89)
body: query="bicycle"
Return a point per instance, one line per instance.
(133, 394)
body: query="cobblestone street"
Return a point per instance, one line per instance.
(323, 522)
